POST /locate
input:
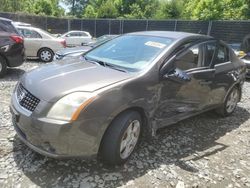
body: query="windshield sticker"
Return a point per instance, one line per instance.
(155, 44)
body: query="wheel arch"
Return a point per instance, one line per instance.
(38, 52)
(236, 84)
(145, 122)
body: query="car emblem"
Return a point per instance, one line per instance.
(22, 96)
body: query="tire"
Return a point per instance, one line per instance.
(46, 55)
(230, 103)
(3, 67)
(114, 148)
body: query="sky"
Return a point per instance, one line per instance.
(64, 6)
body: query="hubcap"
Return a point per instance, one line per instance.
(130, 139)
(46, 55)
(232, 101)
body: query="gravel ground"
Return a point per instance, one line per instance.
(204, 151)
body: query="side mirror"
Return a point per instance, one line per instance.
(177, 75)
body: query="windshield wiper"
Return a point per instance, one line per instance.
(114, 67)
(104, 64)
(95, 61)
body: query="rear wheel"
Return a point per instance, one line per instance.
(121, 138)
(230, 103)
(3, 67)
(46, 55)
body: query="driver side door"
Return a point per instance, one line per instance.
(184, 90)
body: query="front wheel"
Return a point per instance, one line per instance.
(121, 138)
(230, 103)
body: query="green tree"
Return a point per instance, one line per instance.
(76, 6)
(172, 9)
(108, 10)
(90, 12)
(135, 12)
(235, 10)
(203, 10)
(43, 7)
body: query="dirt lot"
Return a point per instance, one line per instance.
(204, 151)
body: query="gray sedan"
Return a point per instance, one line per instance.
(136, 83)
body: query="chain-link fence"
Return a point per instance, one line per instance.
(229, 31)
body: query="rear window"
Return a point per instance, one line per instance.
(6, 26)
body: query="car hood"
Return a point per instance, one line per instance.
(80, 49)
(51, 82)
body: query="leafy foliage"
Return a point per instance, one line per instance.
(41, 7)
(135, 9)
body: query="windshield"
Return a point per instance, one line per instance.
(131, 52)
(101, 40)
(47, 33)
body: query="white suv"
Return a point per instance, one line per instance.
(77, 38)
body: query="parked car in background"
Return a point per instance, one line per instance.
(76, 38)
(76, 51)
(11, 46)
(237, 49)
(39, 43)
(138, 82)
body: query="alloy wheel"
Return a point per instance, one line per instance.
(130, 139)
(232, 101)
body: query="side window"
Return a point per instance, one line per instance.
(190, 58)
(200, 55)
(210, 49)
(27, 33)
(82, 34)
(222, 56)
(73, 34)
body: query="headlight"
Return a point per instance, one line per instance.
(69, 107)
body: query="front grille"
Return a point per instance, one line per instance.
(26, 99)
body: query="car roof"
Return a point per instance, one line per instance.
(169, 34)
(5, 19)
(77, 31)
(27, 27)
(21, 24)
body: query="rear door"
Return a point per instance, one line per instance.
(225, 73)
(32, 41)
(72, 39)
(85, 38)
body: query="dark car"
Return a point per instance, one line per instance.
(138, 82)
(11, 46)
(76, 51)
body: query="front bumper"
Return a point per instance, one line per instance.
(58, 57)
(53, 138)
